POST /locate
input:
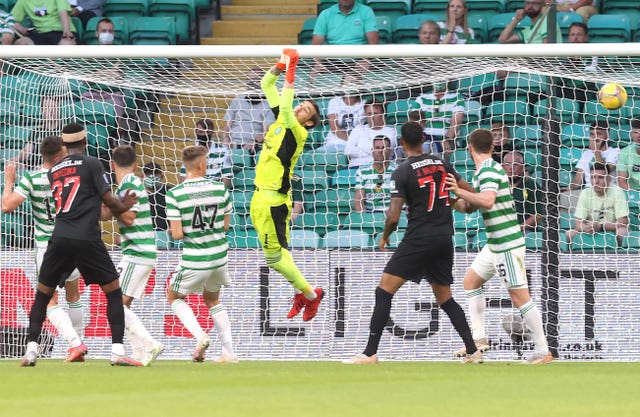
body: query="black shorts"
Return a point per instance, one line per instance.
(431, 259)
(63, 255)
(49, 38)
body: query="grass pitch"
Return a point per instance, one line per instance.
(308, 389)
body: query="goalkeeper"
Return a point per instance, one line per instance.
(271, 203)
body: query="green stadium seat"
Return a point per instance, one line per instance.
(566, 220)
(327, 161)
(371, 223)
(130, 9)
(472, 111)
(320, 222)
(593, 110)
(183, 11)
(344, 178)
(241, 201)
(575, 135)
(79, 28)
(394, 240)
(533, 241)
(478, 22)
(527, 136)
(304, 239)
(478, 241)
(240, 159)
(499, 21)
(509, 112)
(609, 28)
(243, 180)
(461, 241)
(14, 136)
(348, 239)
(632, 241)
(566, 110)
(461, 159)
(94, 111)
(314, 179)
(385, 29)
(333, 200)
(633, 199)
(390, 8)
(565, 177)
(406, 27)
(398, 111)
(522, 84)
(154, 31)
(569, 157)
(476, 83)
(565, 20)
(239, 222)
(243, 239)
(306, 34)
(120, 25)
(163, 240)
(435, 7)
(597, 242)
(98, 140)
(513, 5)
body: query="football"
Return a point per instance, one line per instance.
(612, 96)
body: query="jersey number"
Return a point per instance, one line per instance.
(199, 219)
(429, 181)
(64, 200)
(47, 206)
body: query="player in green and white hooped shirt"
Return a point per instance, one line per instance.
(198, 211)
(138, 243)
(34, 185)
(505, 249)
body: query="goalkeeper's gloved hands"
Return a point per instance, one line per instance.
(282, 63)
(291, 57)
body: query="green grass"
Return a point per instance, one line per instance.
(307, 389)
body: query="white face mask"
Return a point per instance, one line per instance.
(105, 38)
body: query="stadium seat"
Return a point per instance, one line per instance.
(461, 241)
(478, 241)
(566, 19)
(334, 200)
(434, 7)
(243, 239)
(472, 111)
(398, 111)
(521, 85)
(476, 83)
(527, 136)
(243, 180)
(327, 161)
(609, 28)
(509, 112)
(183, 11)
(569, 157)
(98, 140)
(575, 135)
(154, 31)
(239, 222)
(597, 242)
(565, 109)
(130, 9)
(320, 222)
(632, 241)
(565, 177)
(405, 29)
(371, 223)
(533, 241)
(14, 136)
(313, 179)
(348, 239)
(95, 111)
(241, 201)
(512, 5)
(593, 110)
(390, 8)
(306, 34)
(304, 239)
(633, 199)
(163, 240)
(394, 240)
(120, 25)
(240, 159)
(344, 178)
(478, 22)
(498, 22)
(385, 29)
(566, 220)
(486, 7)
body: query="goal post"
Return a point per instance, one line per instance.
(541, 97)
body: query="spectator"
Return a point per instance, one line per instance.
(219, 167)
(9, 28)
(599, 151)
(629, 161)
(373, 181)
(346, 23)
(86, 9)
(537, 32)
(360, 143)
(429, 33)
(156, 191)
(527, 194)
(576, 88)
(51, 20)
(443, 113)
(602, 207)
(501, 141)
(585, 8)
(105, 31)
(456, 29)
(344, 114)
(248, 117)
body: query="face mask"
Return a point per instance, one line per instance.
(202, 140)
(151, 181)
(105, 38)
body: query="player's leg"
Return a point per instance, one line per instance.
(515, 279)
(271, 222)
(76, 312)
(36, 318)
(482, 269)
(133, 280)
(182, 283)
(219, 314)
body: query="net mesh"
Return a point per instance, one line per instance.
(587, 288)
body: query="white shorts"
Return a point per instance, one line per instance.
(509, 266)
(193, 281)
(40, 255)
(133, 278)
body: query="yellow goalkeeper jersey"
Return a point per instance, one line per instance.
(283, 142)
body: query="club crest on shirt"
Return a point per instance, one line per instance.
(278, 130)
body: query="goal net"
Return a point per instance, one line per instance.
(541, 100)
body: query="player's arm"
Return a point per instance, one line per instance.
(11, 200)
(484, 199)
(268, 83)
(119, 205)
(358, 200)
(391, 222)
(286, 99)
(175, 228)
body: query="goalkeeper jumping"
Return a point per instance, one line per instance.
(271, 203)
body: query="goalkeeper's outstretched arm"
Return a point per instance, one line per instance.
(268, 83)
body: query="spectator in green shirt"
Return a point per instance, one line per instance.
(51, 20)
(346, 23)
(537, 32)
(629, 161)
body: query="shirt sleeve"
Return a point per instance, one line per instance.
(136, 190)
(582, 207)
(25, 186)
(397, 185)
(620, 205)
(370, 23)
(270, 90)
(320, 27)
(228, 207)
(173, 213)
(623, 162)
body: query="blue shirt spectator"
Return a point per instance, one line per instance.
(346, 23)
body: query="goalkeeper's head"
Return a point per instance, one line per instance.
(307, 113)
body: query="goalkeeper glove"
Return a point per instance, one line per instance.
(291, 60)
(282, 64)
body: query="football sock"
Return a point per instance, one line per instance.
(138, 351)
(379, 319)
(186, 316)
(32, 347)
(459, 321)
(61, 321)
(223, 327)
(533, 320)
(37, 315)
(117, 349)
(477, 306)
(76, 315)
(115, 316)
(137, 329)
(290, 271)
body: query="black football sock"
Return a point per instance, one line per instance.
(379, 319)
(37, 315)
(115, 315)
(459, 321)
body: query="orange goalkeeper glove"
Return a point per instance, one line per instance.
(282, 64)
(292, 60)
